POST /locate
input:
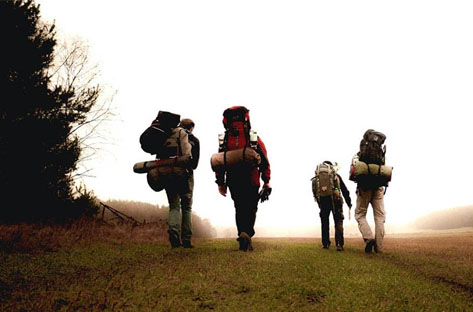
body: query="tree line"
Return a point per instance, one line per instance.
(41, 109)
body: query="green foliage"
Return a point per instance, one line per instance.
(38, 149)
(280, 275)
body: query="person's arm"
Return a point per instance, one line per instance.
(220, 180)
(195, 151)
(266, 168)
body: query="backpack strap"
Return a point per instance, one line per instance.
(179, 143)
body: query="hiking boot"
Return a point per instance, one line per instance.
(325, 246)
(187, 244)
(370, 243)
(340, 248)
(174, 240)
(250, 245)
(245, 241)
(376, 249)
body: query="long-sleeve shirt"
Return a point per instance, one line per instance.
(345, 191)
(194, 141)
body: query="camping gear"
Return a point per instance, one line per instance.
(236, 121)
(160, 171)
(325, 182)
(154, 136)
(239, 144)
(155, 181)
(223, 160)
(145, 166)
(370, 174)
(372, 150)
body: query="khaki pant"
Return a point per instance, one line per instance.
(376, 199)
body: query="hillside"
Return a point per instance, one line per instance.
(452, 218)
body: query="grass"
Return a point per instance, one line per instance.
(424, 273)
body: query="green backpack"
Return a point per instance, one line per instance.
(325, 182)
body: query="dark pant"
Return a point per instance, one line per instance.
(326, 206)
(245, 198)
(179, 193)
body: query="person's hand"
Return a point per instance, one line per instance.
(265, 192)
(222, 189)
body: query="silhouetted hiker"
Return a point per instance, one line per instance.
(171, 171)
(369, 171)
(242, 161)
(326, 187)
(186, 204)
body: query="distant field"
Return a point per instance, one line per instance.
(431, 273)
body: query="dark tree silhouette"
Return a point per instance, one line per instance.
(38, 150)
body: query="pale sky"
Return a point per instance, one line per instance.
(314, 74)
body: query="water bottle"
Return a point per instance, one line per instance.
(221, 141)
(253, 139)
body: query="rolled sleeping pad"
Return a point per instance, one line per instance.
(361, 168)
(145, 166)
(222, 159)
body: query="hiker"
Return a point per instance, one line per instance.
(186, 199)
(241, 176)
(326, 187)
(372, 176)
(172, 172)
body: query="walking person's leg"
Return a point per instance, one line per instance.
(338, 220)
(186, 210)
(379, 218)
(174, 217)
(363, 199)
(325, 224)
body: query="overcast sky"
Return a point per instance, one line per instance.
(314, 74)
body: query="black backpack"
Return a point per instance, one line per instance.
(372, 150)
(153, 138)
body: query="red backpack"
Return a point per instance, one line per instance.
(236, 121)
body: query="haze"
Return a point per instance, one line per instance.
(315, 76)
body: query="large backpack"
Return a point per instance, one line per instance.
(175, 145)
(236, 121)
(153, 139)
(325, 182)
(238, 133)
(372, 150)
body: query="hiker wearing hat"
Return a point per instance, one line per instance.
(185, 198)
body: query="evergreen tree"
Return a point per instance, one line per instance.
(38, 151)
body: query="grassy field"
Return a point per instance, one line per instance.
(425, 273)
